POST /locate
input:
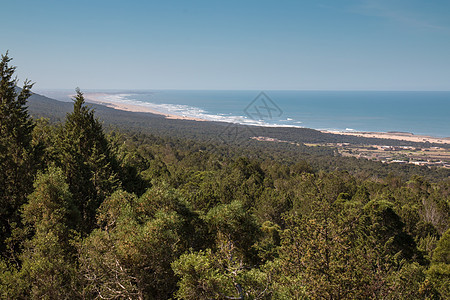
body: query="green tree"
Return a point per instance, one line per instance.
(87, 161)
(233, 224)
(129, 256)
(439, 271)
(16, 151)
(219, 275)
(385, 230)
(48, 259)
(323, 257)
(409, 282)
(44, 137)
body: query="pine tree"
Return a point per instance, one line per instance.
(86, 159)
(439, 271)
(16, 150)
(48, 260)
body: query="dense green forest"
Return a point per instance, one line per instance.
(127, 211)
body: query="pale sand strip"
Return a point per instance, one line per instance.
(395, 136)
(100, 98)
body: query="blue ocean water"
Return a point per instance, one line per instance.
(424, 113)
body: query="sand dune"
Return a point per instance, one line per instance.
(403, 136)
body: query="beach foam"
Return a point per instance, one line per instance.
(180, 110)
(321, 110)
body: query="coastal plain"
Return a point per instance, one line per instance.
(430, 156)
(106, 100)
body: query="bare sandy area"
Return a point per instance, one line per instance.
(101, 98)
(395, 136)
(104, 99)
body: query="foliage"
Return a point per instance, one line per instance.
(439, 271)
(220, 275)
(17, 154)
(168, 212)
(85, 157)
(48, 269)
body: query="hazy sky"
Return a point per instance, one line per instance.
(258, 45)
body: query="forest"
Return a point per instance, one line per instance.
(104, 210)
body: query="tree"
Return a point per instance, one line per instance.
(16, 151)
(219, 275)
(386, 231)
(346, 250)
(130, 255)
(233, 224)
(87, 161)
(439, 271)
(322, 257)
(48, 260)
(223, 272)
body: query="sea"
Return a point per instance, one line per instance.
(417, 112)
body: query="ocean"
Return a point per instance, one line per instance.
(418, 112)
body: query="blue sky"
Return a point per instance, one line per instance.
(256, 45)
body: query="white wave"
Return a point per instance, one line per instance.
(115, 97)
(189, 111)
(336, 130)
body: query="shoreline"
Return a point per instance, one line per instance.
(101, 98)
(401, 136)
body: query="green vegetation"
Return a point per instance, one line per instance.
(134, 214)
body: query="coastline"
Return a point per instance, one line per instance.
(102, 99)
(402, 136)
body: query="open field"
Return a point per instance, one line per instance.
(431, 157)
(401, 136)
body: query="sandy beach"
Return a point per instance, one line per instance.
(402, 136)
(102, 98)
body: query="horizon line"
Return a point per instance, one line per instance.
(250, 90)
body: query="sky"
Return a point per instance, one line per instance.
(229, 45)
